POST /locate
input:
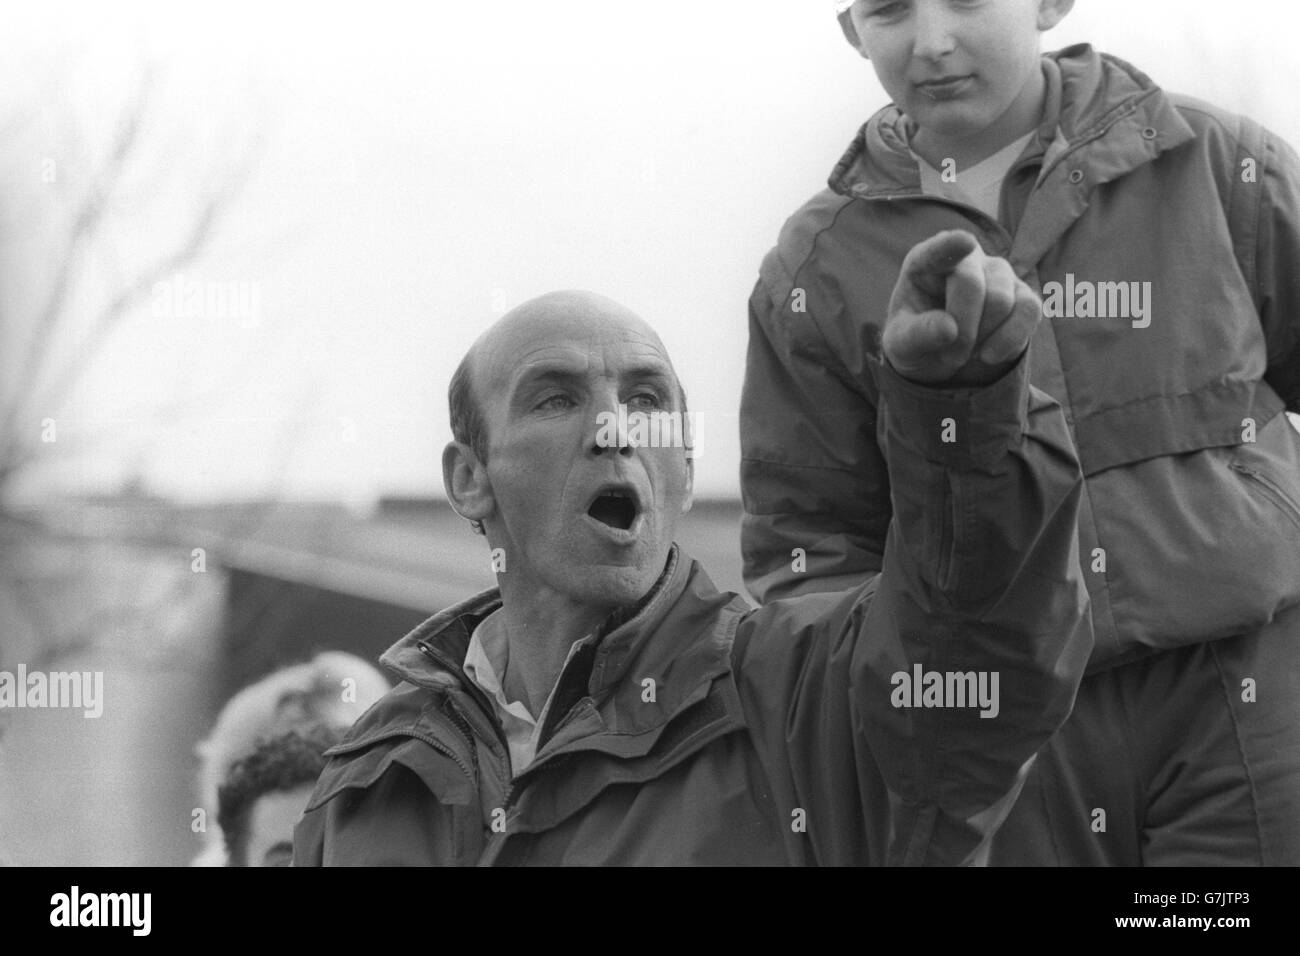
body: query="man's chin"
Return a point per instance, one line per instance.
(615, 586)
(612, 581)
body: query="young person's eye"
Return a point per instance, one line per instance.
(885, 11)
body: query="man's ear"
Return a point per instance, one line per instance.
(1052, 12)
(465, 480)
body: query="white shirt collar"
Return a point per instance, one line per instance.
(486, 660)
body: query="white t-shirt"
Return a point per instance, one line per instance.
(980, 185)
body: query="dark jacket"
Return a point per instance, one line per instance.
(1190, 525)
(700, 730)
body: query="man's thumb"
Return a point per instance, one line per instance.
(910, 343)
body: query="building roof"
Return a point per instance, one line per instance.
(411, 553)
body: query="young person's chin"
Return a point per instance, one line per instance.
(953, 120)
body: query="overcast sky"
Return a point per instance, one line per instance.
(425, 167)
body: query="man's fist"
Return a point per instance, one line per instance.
(957, 316)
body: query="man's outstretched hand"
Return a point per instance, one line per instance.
(957, 317)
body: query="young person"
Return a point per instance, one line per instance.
(1164, 237)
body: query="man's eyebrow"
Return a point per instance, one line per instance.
(559, 372)
(544, 372)
(659, 374)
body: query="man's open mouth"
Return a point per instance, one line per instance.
(617, 506)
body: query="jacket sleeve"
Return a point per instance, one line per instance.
(1277, 263)
(981, 588)
(382, 825)
(813, 480)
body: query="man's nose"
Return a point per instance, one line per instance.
(611, 431)
(935, 31)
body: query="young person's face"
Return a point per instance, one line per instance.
(956, 67)
(270, 826)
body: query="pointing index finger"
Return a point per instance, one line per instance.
(929, 264)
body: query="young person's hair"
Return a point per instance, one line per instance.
(280, 763)
(293, 696)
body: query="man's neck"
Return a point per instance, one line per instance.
(541, 627)
(1023, 116)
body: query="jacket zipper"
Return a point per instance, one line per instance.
(946, 530)
(473, 692)
(435, 744)
(462, 725)
(512, 788)
(554, 761)
(457, 718)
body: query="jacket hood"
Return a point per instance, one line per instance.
(1087, 94)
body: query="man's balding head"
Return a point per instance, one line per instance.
(535, 462)
(557, 312)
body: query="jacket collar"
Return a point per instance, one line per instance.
(433, 653)
(679, 634)
(1088, 95)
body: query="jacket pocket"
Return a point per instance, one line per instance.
(1163, 425)
(1270, 468)
(1272, 491)
(1202, 546)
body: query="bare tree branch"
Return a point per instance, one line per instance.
(44, 385)
(94, 205)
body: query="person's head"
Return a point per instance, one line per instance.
(333, 689)
(955, 67)
(266, 792)
(576, 511)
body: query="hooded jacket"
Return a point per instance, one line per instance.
(1128, 200)
(699, 730)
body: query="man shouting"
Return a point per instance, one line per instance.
(605, 704)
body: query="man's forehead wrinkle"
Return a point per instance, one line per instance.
(573, 329)
(555, 353)
(500, 360)
(551, 358)
(583, 357)
(594, 358)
